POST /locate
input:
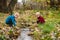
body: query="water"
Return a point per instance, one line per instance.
(24, 34)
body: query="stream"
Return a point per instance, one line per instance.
(24, 34)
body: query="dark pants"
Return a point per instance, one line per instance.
(10, 24)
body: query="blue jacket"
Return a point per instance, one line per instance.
(11, 20)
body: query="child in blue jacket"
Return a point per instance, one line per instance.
(10, 20)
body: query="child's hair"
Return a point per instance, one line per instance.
(16, 14)
(37, 13)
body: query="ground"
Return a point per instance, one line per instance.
(28, 19)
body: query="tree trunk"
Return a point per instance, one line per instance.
(11, 5)
(58, 3)
(23, 1)
(51, 3)
(3, 4)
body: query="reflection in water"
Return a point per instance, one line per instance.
(24, 34)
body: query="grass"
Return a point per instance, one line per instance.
(52, 19)
(47, 27)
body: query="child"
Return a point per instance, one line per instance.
(40, 19)
(10, 20)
